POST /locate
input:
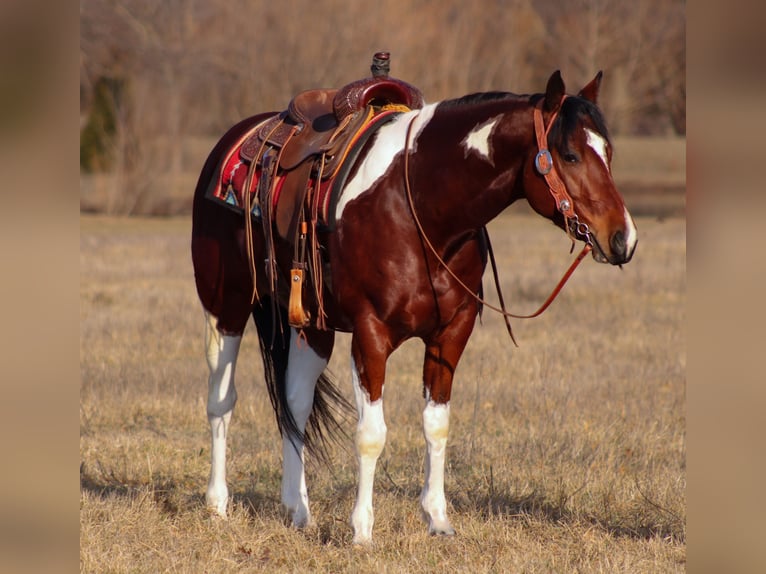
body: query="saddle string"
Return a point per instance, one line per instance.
(268, 228)
(502, 310)
(316, 258)
(248, 208)
(249, 232)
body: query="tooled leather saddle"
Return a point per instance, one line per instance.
(311, 138)
(306, 145)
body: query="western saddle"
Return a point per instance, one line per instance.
(301, 147)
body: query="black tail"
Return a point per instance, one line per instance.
(323, 425)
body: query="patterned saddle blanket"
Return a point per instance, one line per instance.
(229, 188)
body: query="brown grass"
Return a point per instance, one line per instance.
(566, 454)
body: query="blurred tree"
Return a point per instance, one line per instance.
(639, 45)
(97, 135)
(192, 68)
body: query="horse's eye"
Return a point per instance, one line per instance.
(570, 158)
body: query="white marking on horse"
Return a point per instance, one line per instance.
(221, 352)
(388, 143)
(598, 144)
(303, 369)
(370, 440)
(631, 236)
(432, 500)
(479, 139)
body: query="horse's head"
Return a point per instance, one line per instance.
(590, 208)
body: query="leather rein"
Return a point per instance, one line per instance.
(574, 228)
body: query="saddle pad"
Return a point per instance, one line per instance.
(227, 187)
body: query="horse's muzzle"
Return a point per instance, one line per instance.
(621, 250)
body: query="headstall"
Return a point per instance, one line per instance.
(546, 168)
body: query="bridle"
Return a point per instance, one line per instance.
(546, 168)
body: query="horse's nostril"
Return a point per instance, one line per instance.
(617, 243)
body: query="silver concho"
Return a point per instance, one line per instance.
(543, 161)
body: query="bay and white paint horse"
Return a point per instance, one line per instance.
(467, 160)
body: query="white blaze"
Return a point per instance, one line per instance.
(598, 144)
(631, 236)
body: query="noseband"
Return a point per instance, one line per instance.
(544, 165)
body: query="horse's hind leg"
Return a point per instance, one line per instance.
(221, 352)
(304, 366)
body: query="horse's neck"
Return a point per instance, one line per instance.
(476, 163)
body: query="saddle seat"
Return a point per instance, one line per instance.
(323, 121)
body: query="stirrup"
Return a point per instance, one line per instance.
(296, 316)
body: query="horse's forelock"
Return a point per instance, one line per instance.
(573, 111)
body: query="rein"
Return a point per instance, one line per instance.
(544, 165)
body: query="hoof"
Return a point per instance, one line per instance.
(303, 523)
(299, 516)
(217, 503)
(448, 531)
(361, 543)
(439, 526)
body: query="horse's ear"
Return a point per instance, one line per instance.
(590, 92)
(554, 91)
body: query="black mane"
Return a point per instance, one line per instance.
(573, 111)
(477, 98)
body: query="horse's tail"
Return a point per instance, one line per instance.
(324, 424)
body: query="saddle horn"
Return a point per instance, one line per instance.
(381, 64)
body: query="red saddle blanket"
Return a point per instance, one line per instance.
(229, 186)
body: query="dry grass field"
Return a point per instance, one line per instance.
(566, 454)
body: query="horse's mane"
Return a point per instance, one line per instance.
(573, 111)
(477, 98)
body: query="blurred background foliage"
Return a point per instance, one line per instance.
(159, 81)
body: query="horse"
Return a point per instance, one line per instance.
(404, 258)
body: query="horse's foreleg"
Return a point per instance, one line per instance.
(221, 354)
(442, 356)
(370, 438)
(303, 369)
(432, 499)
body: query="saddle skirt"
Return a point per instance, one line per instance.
(228, 188)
